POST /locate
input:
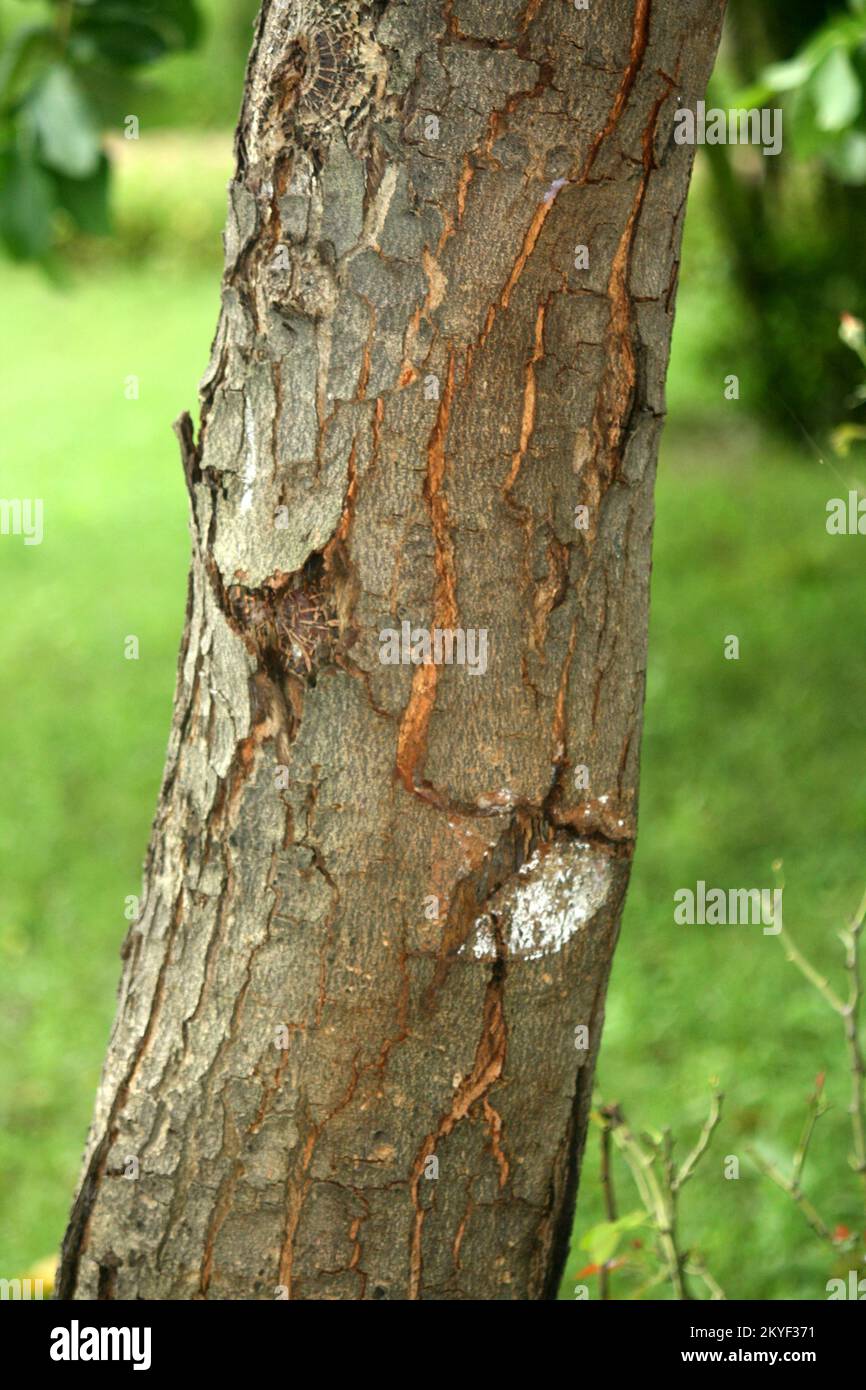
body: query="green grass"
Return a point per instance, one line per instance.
(744, 762)
(84, 729)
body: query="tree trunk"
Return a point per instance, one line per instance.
(360, 1008)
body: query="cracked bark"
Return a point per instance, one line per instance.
(377, 901)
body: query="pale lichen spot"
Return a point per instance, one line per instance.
(556, 892)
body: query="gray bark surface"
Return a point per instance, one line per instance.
(378, 902)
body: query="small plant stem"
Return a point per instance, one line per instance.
(851, 1016)
(697, 1268)
(775, 1175)
(822, 985)
(661, 1209)
(816, 1110)
(609, 1195)
(703, 1143)
(849, 1011)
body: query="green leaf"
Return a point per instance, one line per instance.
(86, 200)
(181, 15)
(844, 436)
(601, 1241)
(26, 49)
(130, 32)
(58, 112)
(847, 158)
(844, 32)
(784, 77)
(26, 206)
(803, 139)
(126, 43)
(835, 89)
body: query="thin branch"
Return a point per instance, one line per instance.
(662, 1209)
(817, 1108)
(849, 1011)
(778, 1177)
(857, 1105)
(609, 1195)
(650, 1159)
(822, 985)
(698, 1269)
(702, 1145)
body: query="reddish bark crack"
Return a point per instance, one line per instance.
(487, 1069)
(412, 737)
(639, 44)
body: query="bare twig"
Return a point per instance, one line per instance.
(857, 1105)
(609, 1195)
(817, 1108)
(771, 1171)
(703, 1143)
(698, 1269)
(821, 984)
(661, 1207)
(651, 1163)
(849, 1011)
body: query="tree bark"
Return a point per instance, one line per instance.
(360, 1009)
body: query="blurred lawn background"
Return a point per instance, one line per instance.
(744, 762)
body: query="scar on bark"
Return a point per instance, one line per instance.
(412, 739)
(289, 623)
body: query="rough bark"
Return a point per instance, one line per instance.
(378, 902)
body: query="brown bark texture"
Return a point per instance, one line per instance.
(360, 1009)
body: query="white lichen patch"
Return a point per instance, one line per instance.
(551, 897)
(553, 190)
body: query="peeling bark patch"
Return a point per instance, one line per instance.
(332, 71)
(556, 892)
